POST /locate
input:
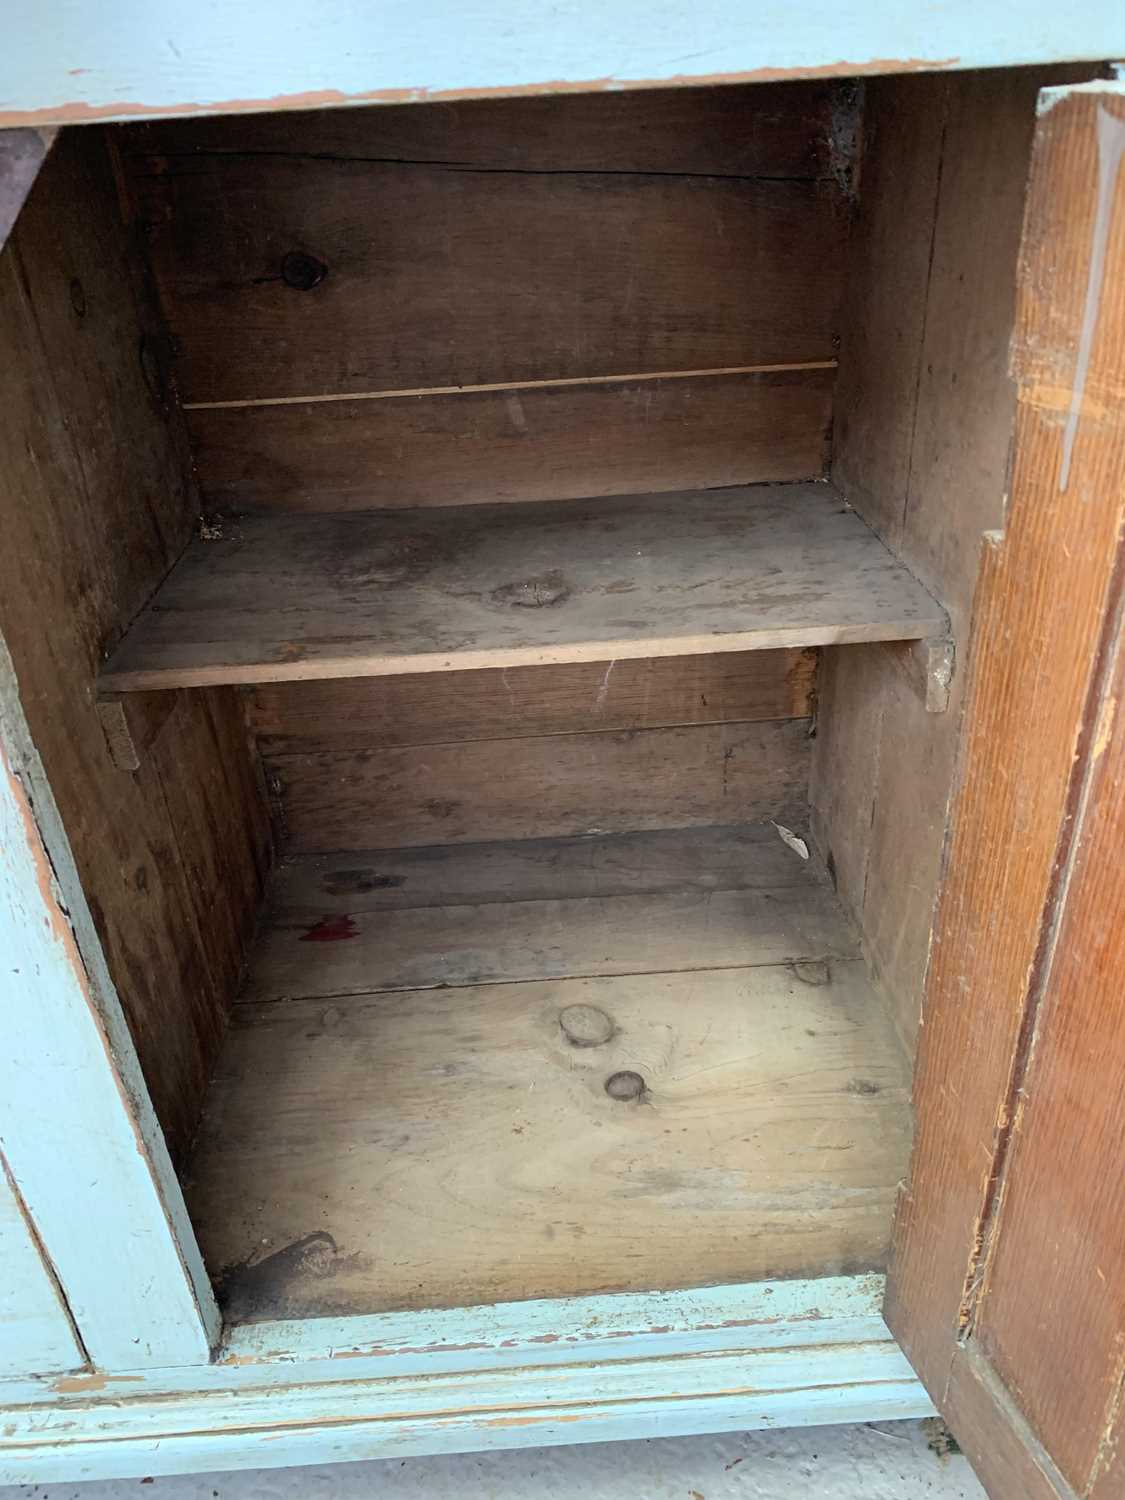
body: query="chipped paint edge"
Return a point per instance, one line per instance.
(1050, 98)
(772, 1354)
(544, 1332)
(81, 112)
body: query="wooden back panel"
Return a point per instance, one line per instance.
(519, 299)
(334, 281)
(96, 503)
(528, 752)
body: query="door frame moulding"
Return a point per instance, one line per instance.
(586, 1369)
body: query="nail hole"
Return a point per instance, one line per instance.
(586, 1025)
(302, 272)
(625, 1086)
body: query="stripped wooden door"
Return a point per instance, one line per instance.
(1007, 1288)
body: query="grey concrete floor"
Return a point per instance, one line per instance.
(875, 1461)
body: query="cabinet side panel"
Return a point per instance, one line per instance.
(97, 503)
(926, 408)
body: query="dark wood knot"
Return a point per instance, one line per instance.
(302, 272)
(627, 1087)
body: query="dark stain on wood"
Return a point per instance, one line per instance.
(540, 592)
(252, 1288)
(348, 882)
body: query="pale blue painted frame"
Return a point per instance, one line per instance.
(69, 61)
(36, 1333)
(77, 1129)
(557, 1371)
(85, 1151)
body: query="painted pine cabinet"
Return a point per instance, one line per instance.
(561, 768)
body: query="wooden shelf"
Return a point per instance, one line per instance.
(373, 593)
(399, 1118)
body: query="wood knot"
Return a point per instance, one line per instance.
(627, 1087)
(586, 1025)
(540, 592)
(302, 272)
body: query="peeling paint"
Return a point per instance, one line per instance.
(79, 112)
(87, 1383)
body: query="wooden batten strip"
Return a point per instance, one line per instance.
(509, 385)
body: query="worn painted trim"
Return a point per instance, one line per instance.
(72, 61)
(595, 1368)
(508, 1335)
(36, 1333)
(200, 1451)
(621, 1325)
(76, 1125)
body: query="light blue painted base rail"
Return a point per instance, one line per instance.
(588, 1369)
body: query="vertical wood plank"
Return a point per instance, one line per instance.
(1060, 1226)
(925, 411)
(884, 308)
(1052, 583)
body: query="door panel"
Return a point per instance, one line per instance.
(1060, 1227)
(1007, 1286)
(36, 1337)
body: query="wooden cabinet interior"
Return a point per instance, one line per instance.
(434, 536)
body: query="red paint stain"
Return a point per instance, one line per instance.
(330, 930)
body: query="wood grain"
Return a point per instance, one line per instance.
(469, 1111)
(375, 593)
(667, 861)
(530, 444)
(96, 504)
(517, 702)
(925, 412)
(1053, 582)
(440, 276)
(1061, 1220)
(885, 299)
(632, 922)
(994, 1435)
(551, 785)
(778, 130)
